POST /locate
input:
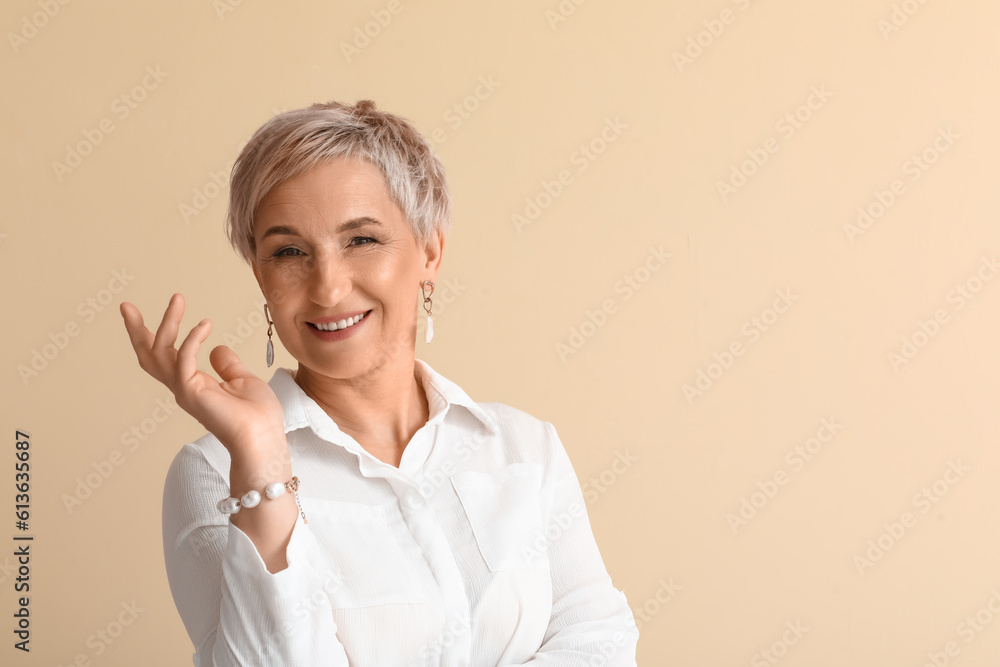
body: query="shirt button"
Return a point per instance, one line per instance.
(414, 500)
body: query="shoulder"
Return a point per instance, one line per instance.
(510, 419)
(520, 437)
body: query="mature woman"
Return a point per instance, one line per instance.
(362, 509)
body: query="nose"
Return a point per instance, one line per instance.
(327, 281)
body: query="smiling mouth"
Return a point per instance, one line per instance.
(340, 324)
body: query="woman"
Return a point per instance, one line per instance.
(363, 510)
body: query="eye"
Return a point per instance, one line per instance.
(368, 240)
(290, 251)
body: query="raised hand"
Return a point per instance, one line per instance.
(241, 411)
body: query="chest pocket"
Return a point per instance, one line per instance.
(504, 509)
(371, 558)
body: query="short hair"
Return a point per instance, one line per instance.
(295, 141)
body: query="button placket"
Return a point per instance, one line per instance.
(425, 528)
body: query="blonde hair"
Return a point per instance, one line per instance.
(294, 141)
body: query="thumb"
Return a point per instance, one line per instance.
(227, 364)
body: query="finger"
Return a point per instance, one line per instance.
(227, 364)
(127, 309)
(166, 334)
(187, 355)
(140, 337)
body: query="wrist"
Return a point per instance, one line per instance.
(256, 442)
(266, 497)
(257, 473)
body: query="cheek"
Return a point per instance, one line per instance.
(386, 273)
(398, 267)
(283, 282)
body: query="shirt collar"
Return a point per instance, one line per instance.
(442, 393)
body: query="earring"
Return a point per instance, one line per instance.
(428, 304)
(270, 345)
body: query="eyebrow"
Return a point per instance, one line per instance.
(354, 223)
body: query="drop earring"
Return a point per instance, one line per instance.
(428, 305)
(270, 345)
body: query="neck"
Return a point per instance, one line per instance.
(381, 409)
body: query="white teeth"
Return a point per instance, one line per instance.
(342, 324)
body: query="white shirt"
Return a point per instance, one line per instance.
(477, 551)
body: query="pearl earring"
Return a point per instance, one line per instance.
(428, 304)
(270, 345)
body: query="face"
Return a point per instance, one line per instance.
(332, 247)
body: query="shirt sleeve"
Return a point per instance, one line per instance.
(590, 617)
(236, 611)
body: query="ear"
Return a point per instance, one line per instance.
(433, 252)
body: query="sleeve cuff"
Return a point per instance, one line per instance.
(279, 595)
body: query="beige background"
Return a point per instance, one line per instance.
(661, 520)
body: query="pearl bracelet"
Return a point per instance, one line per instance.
(251, 498)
